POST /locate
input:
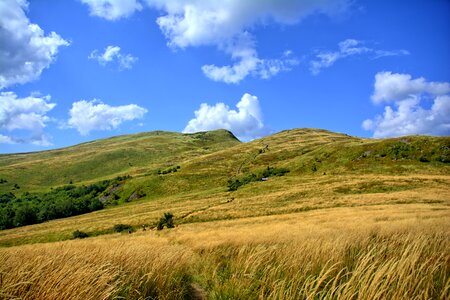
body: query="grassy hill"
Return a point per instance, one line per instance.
(335, 216)
(129, 154)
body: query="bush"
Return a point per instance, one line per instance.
(166, 220)
(77, 234)
(122, 227)
(233, 185)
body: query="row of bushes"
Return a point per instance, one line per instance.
(66, 201)
(234, 184)
(168, 171)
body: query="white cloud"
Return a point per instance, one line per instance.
(25, 50)
(250, 64)
(18, 115)
(408, 115)
(112, 55)
(113, 9)
(4, 139)
(393, 86)
(348, 47)
(246, 122)
(227, 25)
(86, 116)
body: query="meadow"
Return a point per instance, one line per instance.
(352, 219)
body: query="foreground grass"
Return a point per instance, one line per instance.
(389, 251)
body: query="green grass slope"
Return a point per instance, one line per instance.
(129, 154)
(208, 160)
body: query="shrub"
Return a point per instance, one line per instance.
(166, 220)
(233, 185)
(77, 234)
(424, 159)
(122, 227)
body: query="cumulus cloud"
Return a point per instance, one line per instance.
(227, 25)
(25, 50)
(113, 9)
(112, 55)
(246, 122)
(86, 116)
(348, 47)
(24, 115)
(407, 114)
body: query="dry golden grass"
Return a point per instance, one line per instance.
(376, 252)
(96, 269)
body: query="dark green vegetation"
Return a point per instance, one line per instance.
(166, 220)
(79, 234)
(122, 228)
(233, 185)
(61, 202)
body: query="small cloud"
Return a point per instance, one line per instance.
(112, 55)
(246, 122)
(113, 9)
(24, 115)
(349, 47)
(86, 116)
(407, 115)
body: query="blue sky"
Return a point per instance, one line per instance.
(77, 70)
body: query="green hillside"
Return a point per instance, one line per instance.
(102, 159)
(193, 175)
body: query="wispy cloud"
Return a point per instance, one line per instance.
(112, 55)
(346, 48)
(113, 9)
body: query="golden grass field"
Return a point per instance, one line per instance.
(372, 228)
(370, 246)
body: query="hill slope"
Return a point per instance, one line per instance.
(335, 217)
(217, 177)
(107, 158)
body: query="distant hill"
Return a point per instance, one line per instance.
(212, 158)
(107, 158)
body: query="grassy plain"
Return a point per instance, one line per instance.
(353, 219)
